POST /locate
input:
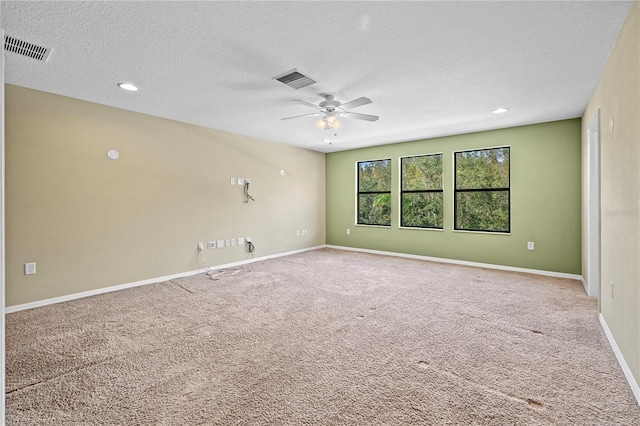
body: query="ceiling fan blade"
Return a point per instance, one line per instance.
(309, 104)
(304, 115)
(356, 103)
(366, 117)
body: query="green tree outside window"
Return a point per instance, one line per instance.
(482, 190)
(374, 192)
(421, 191)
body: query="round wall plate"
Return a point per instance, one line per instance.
(113, 154)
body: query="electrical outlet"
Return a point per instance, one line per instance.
(247, 239)
(233, 241)
(30, 268)
(227, 243)
(220, 244)
(211, 245)
(233, 181)
(200, 246)
(240, 181)
(241, 240)
(348, 231)
(530, 245)
(247, 181)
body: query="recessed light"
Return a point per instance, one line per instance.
(127, 86)
(500, 110)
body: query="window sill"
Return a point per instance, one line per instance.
(482, 232)
(410, 228)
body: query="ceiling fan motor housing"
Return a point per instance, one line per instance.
(329, 103)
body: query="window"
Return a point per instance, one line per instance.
(482, 195)
(421, 191)
(374, 192)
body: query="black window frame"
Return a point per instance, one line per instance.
(359, 193)
(456, 191)
(423, 191)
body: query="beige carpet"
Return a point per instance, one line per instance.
(321, 338)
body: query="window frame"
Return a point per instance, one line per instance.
(402, 192)
(456, 191)
(358, 193)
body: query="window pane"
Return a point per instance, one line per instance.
(422, 209)
(374, 209)
(374, 176)
(422, 172)
(482, 211)
(482, 169)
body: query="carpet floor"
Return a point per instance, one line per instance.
(324, 337)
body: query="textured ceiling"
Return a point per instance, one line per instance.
(431, 68)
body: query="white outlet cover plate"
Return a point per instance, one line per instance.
(240, 181)
(220, 244)
(30, 268)
(241, 240)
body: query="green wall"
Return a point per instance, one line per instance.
(545, 200)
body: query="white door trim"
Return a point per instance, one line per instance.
(593, 207)
(2, 252)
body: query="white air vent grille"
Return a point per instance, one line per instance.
(295, 79)
(24, 48)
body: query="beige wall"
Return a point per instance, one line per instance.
(617, 95)
(90, 222)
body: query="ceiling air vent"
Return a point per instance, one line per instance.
(295, 79)
(24, 48)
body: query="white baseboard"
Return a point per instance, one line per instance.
(39, 303)
(623, 363)
(584, 284)
(462, 262)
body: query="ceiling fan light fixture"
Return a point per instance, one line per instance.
(332, 120)
(321, 124)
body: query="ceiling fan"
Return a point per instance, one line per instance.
(330, 110)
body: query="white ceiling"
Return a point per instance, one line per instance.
(431, 68)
